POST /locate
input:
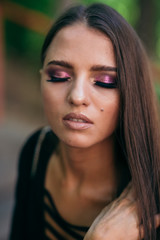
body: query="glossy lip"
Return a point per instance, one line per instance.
(85, 124)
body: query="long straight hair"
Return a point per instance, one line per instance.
(138, 132)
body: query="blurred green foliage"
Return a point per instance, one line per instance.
(45, 6)
(158, 28)
(124, 7)
(157, 89)
(25, 43)
(22, 43)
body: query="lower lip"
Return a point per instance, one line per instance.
(77, 125)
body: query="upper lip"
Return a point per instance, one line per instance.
(77, 116)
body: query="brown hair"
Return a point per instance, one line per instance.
(138, 133)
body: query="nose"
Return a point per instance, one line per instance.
(78, 93)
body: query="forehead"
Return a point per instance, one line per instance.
(81, 43)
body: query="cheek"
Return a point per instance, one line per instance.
(50, 100)
(109, 101)
(49, 94)
(51, 106)
(112, 110)
(113, 106)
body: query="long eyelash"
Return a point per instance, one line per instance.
(55, 79)
(106, 85)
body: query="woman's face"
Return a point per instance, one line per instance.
(78, 82)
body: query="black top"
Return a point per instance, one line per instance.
(57, 227)
(28, 220)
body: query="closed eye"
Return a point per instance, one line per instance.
(57, 75)
(58, 79)
(106, 81)
(106, 85)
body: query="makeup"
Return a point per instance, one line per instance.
(57, 75)
(106, 81)
(76, 121)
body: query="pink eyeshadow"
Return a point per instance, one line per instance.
(57, 73)
(105, 79)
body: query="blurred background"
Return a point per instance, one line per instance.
(23, 25)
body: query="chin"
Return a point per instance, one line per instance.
(76, 143)
(76, 140)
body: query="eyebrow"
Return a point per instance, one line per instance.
(95, 68)
(60, 63)
(103, 68)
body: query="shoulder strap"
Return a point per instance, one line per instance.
(38, 148)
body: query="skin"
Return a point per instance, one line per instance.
(85, 166)
(83, 48)
(86, 172)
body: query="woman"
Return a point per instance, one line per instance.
(103, 134)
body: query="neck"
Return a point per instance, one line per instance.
(93, 167)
